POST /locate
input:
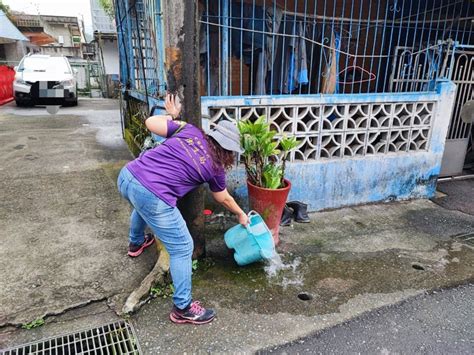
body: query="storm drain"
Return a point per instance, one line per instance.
(114, 338)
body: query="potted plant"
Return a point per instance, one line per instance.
(265, 163)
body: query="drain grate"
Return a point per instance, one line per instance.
(113, 338)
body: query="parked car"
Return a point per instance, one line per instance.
(44, 80)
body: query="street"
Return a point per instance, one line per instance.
(440, 322)
(64, 263)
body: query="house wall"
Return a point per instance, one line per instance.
(14, 51)
(56, 30)
(58, 51)
(345, 181)
(111, 57)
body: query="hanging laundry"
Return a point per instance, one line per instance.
(293, 66)
(250, 18)
(266, 58)
(330, 72)
(298, 73)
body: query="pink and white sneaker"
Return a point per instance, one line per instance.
(194, 314)
(135, 250)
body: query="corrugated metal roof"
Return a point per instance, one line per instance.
(8, 29)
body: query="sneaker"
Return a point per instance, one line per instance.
(194, 314)
(135, 250)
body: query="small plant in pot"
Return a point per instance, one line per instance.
(265, 163)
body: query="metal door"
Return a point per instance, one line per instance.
(459, 132)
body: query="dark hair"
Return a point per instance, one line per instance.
(220, 156)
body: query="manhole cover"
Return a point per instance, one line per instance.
(114, 338)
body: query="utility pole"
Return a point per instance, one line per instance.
(181, 39)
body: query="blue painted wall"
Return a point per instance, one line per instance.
(326, 184)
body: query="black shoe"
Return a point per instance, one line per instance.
(286, 217)
(301, 211)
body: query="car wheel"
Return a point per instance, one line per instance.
(70, 103)
(24, 103)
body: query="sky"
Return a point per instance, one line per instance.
(77, 8)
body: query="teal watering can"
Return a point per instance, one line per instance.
(252, 243)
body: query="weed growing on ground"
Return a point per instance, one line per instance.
(195, 265)
(162, 291)
(33, 324)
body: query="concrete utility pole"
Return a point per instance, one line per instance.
(181, 39)
(181, 44)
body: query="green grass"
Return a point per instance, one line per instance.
(33, 324)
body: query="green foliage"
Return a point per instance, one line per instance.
(262, 152)
(195, 265)
(272, 176)
(108, 7)
(162, 291)
(33, 324)
(5, 8)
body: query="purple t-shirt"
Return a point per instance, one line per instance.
(178, 165)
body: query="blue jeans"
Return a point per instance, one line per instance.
(168, 226)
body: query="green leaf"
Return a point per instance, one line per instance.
(272, 176)
(33, 324)
(288, 144)
(261, 149)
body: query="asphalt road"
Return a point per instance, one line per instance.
(435, 323)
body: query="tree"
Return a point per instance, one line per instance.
(107, 6)
(5, 8)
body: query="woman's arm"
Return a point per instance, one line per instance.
(226, 200)
(158, 124)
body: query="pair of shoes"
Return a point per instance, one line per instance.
(135, 250)
(294, 210)
(194, 314)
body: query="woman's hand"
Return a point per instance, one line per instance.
(172, 105)
(243, 219)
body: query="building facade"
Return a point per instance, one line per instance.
(366, 86)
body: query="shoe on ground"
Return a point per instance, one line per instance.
(135, 250)
(300, 211)
(193, 314)
(286, 217)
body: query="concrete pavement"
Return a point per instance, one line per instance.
(440, 322)
(58, 183)
(63, 225)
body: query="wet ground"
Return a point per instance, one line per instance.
(342, 264)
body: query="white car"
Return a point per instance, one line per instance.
(44, 80)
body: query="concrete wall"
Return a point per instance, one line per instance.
(333, 183)
(14, 52)
(58, 51)
(111, 56)
(57, 30)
